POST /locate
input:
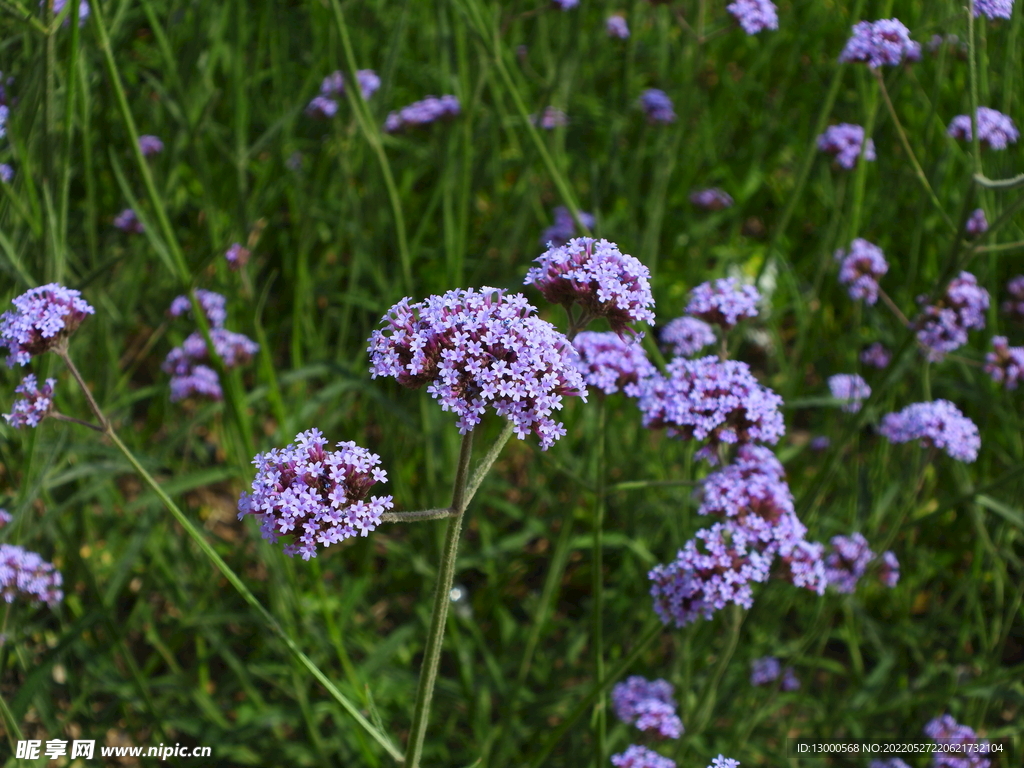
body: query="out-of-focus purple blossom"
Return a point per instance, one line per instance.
(600, 278)
(845, 142)
(723, 302)
(977, 224)
(648, 705)
(637, 756)
(127, 221)
(475, 349)
(804, 565)
(564, 228)
(5, 517)
(850, 388)
(616, 27)
(686, 336)
(790, 682)
(945, 730)
(994, 9)
(724, 762)
(36, 404)
(886, 41)
(889, 569)
(820, 443)
(658, 106)
(995, 129)
(213, 304)
(938, 424)
(892, 762)
(196, 381)
(150, 145)
(711, 199)
(876, 355)
(322, 107)
(236, 256)
(565, 5)
(610, 363)
(764, 670)
(942, 326)
(333, 87)
(316, 496)
(422, 112)
(1005, 364)
(847, 562)
(860, 269)
(714, 400)
(551, 118)
(26, 574)
(6, 173)
(1014, 306)
(83, 11)
(42, 317)
(754, 15)
(5, 113)
(369, 82)
(187, 364)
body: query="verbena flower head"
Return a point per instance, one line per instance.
(5, 113)
(804, 565)
(150, 145)
(889, 569)
(322, 107)
(187, 364)
(724, 762)
(846, 143)
(1005, 364)
(686, 336)
(551, 118)
(658, 106)
(637, 756)
(648, 705)
(1014, 306)
(790, 682)
(713, 400)
(600, 278)
(610, 363)
(938, 424)
(477, 349)
(820, 443)
(616, 27)
(236, 256)
(876, 355)
(6, 172)
(333, 87)
(127, 221)
(765, 670)
(860, 268)
(943, 326)
(994, 9)
(892, 762)
(886, 41)
(213, 304)
(847, 561)
(36, 404)
(850, 388)
(723, 302)
(564, 228)
(422, 112)
(42, 318)
(754, 15)
(25, 574)
(977, 224)
(83, 11)
(947, 731)
(995, 130)
(316, 496)
(712, 199)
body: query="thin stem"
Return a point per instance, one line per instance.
(487, 462)
(62, 350)
(892, 305)
(10, 725)
(50, 268)
(972, 64)
(630, 485)
(71, 419)
(1000, 247)
(1012, 183)
(417, 516)
(598, 583)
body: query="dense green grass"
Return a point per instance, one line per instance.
(153, 645)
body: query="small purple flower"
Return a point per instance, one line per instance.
(196, 381)
(83, 11)
(600, 278)
(26, 574)
(995, 129)
(236, 256)
(658, 106)
(845, 141)
(34, 406)
(213, 305)
(422, 112)
(190, 375)
(876, 355)
(804, 565)
(820, 443)
(994, 9)
(127, 221)
(42, 318)
(723, 302)
(860, 268)
(5, 113)
(637, 756)
(892, 762)
(6, 173)
(712, 199)
(945, 730)
(322, 107)
(977, 224)
(564, 228)
(886, 41)
(790, 682)
(333, 87)
(686, 336)
(565, 5)
(724, 762)
(847, 562)
(850, 388)
(150, 145)
(889, 569)
(1014, 306)
(368, 81)
(648, 705)
(943, 326)
(754, 15)
(764, 670)
(316, 496)
(1005, 364)
(551, 118)
(938, 424)
(616, 27)
(611, 364)
(5, 517)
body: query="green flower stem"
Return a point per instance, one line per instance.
(632, 485)
(10, 725)
(597, 565)
(1012, 183)
(972, 63)
(707, 704)
(487, 462)
(417, 516)
(439, 612)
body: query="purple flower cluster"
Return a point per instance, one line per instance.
(550, 118)
(127, 221)
(754, 15)
(711, 199)
(647, 705)
(1014, 306)
(34, 406)
(860, 268)
(876, 355)
(5, 113)
(26, 574)
(83, 11)
(6, 173)
(723, 302)
(658, 106)
(942, 326)
(610, 363)
(475, 349)
(889, 569)
(565, 5)
(213, 304)
(847, 562)
(724, 762)
(42, 318)
(767, 670)
(637, 756)
(564, 228)
(333, 87)
(994, 9)
(616, 27)
(596, 275)
(150, 145)
(421, 113)
(236, 256)
(846, 142)
(886, 41)
(686, 336)
(1005, 364)
(892, 762)
(850, 388)
(316, 496)
(977, 224)
(946, 730)
(5, 517)
(938, 424)
(995, 129)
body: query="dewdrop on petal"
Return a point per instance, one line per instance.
(43, 317)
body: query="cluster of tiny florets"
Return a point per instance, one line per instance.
(550, 118)
(860, 268)
(754, 15)
(977, 224)
(214, 306)
(723, 302)
(994, 9)
(477, 349)
(1005, 364)
(564, 228)
(150, 145)
(42, 317)
(724, 762)
(657, 106)
(26, 574)
(616, 27)
(767, 670)
(422, 112)
(36, 404)
(612, 364)
(969, 751)
(886, 41)
(1014, 306)
(995, 129)
(637, 756)
(127, 221)
(333, 87)
(647, 705)
(846, 142)
(876, 355)
(851, 389)
(938, 424)
(943, 326)
(847, 562)
(686, 336)
(711, 199)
